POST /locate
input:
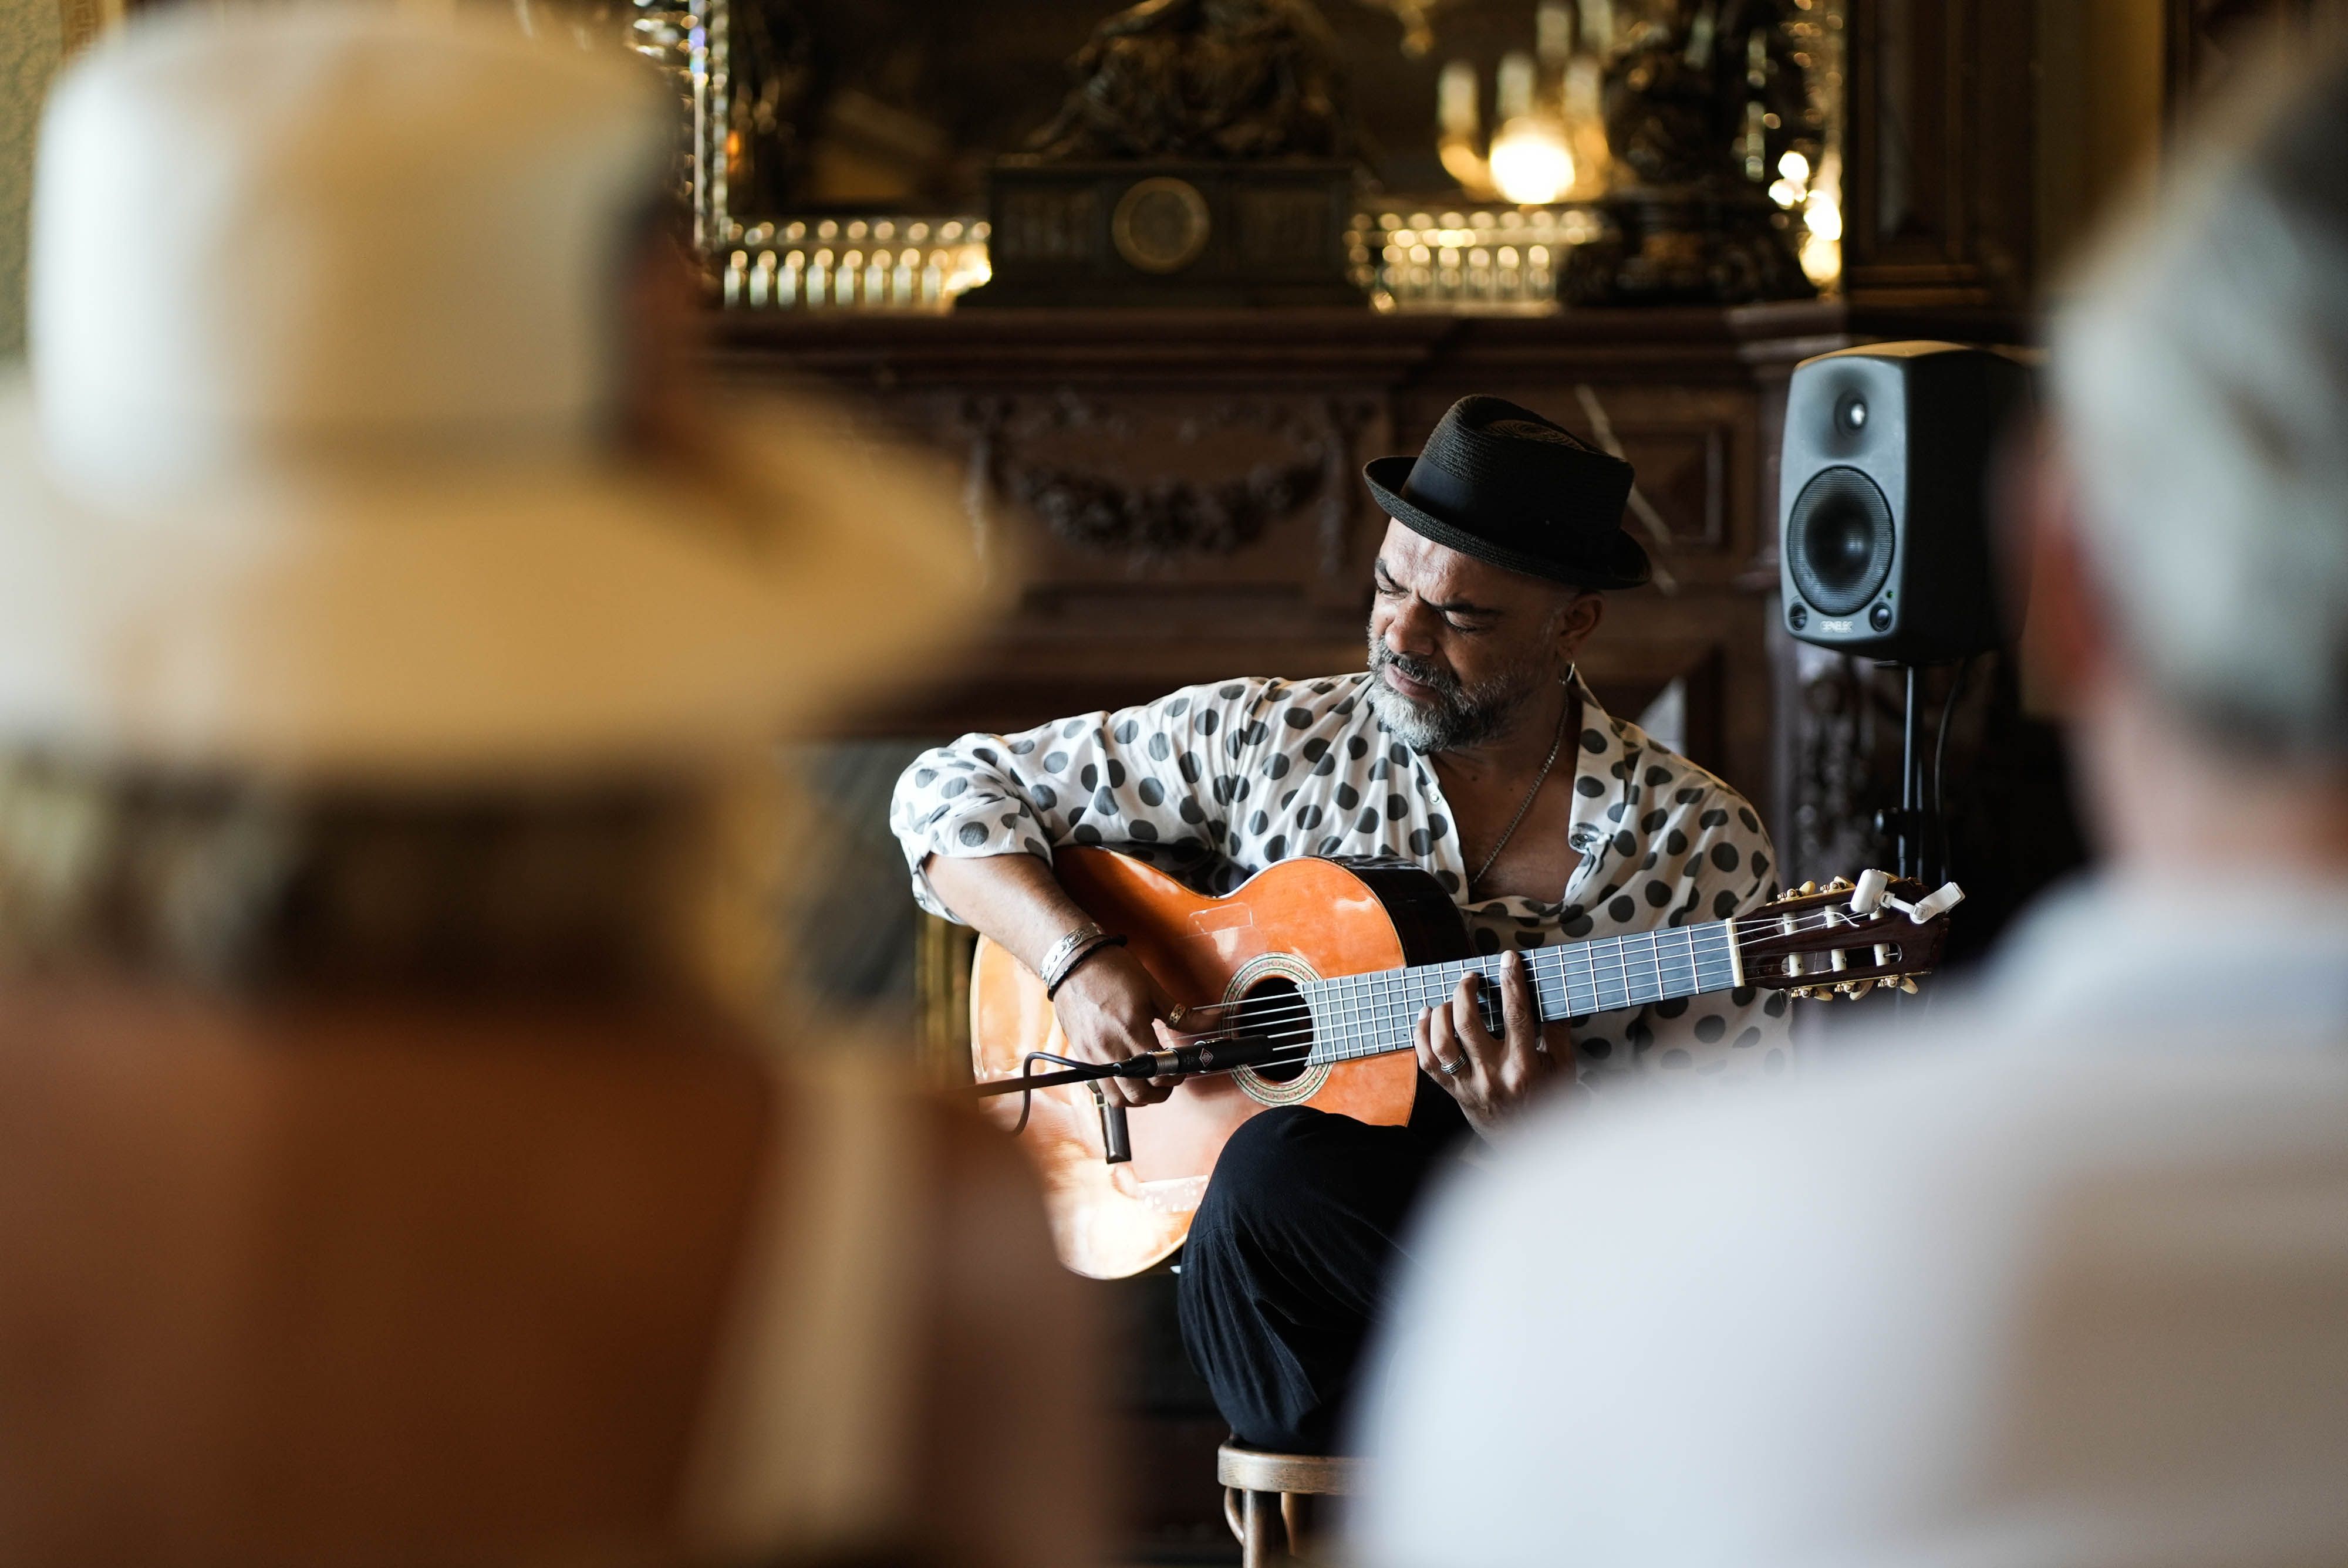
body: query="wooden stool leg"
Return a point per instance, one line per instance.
(1263, 1540)
(1300, 1518)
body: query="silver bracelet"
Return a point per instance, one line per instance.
(1057, 963)
(1076, 961)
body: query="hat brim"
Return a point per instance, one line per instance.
(1621, 563)
(562, 612)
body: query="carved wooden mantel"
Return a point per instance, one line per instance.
(1179, 492)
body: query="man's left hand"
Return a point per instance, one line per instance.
(1492, 1078)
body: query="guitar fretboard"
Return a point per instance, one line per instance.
(1366, 1015)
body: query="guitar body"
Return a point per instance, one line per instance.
(1301, 920)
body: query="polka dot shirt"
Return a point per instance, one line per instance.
(1215, 783)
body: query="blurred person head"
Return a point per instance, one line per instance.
(391, 647)
(377, 605)
(2190, 552)
(2055, 1276)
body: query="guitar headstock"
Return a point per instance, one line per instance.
(1846, 938)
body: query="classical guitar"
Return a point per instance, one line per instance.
(1301, 988)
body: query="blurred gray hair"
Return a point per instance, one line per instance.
(2202, 379)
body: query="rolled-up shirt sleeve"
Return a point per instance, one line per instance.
(1128, 777)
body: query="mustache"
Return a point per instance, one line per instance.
(1442, 682)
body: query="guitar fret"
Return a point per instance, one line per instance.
(1667, 962)
(1353, 1016)
(1638, 971)
(1585, 1004)
(1604, 967)
(1720, 972)
(1552, 1003)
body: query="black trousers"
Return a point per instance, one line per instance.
(1291, 1257)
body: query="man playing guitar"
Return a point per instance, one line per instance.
(1470, 746)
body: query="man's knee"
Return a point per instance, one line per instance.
(1277, 1164)
(1289, 1145)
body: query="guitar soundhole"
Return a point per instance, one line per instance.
(1275, 1011)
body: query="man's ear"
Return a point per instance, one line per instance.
(1576, 619)
(2064, 644)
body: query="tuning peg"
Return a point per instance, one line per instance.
(1908, 984)
(1809, 887)
(1838, 884)
(1867, 898)
(1931, 906)
(1857, 988)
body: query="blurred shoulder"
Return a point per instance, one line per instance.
(1862, 1163)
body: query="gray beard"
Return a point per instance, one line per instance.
(1459, 716)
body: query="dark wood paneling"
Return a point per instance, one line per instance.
(1182, 492)
(1938, 152)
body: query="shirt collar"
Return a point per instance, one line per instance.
(1604, 766)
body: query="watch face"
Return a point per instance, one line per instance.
(1161, 224)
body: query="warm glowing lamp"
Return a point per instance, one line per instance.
(1530, 161)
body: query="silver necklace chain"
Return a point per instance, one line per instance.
(1539, 779)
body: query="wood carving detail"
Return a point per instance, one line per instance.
(1190, 79)
(1162, 515)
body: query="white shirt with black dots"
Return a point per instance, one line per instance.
(1215, 783)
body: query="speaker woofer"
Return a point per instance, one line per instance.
(1838, 541)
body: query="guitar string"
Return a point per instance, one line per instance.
(1353, 1031)
(1610, 948)
(1596, 981)
(1382, 1040)
(1343, 1013)
(1356, 1006)
(1761, 927)
(1344, 1030)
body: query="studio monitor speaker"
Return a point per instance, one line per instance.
(1883, 498)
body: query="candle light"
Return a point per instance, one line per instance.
(1598, 25)
(1514, 95)
(1455, 99)
(1553, 33)
(1530, 161)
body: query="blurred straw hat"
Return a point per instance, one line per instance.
(315, 470)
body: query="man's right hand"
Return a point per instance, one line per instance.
(1109, 1010)
(1108, 1007)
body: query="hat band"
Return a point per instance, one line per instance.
(1449, 497)
(1436, 489)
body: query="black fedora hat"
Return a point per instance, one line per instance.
(1498, 482)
